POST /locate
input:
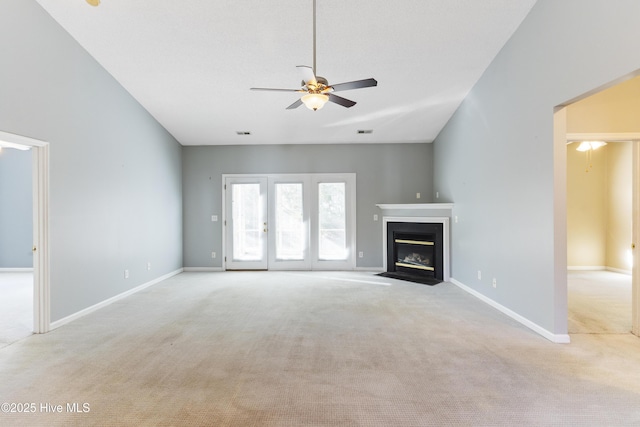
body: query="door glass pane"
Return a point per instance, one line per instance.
(332, 221)
(247, 225)
(290, 235)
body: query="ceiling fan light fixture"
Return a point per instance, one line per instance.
(314, 101)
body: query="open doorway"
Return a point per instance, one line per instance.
(600, 201)
(599, 235)
(16, 229)
(39, 246)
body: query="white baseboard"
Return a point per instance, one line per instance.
(191, 269)
(16, 270)
(371, 269)
(556, 338)
(597, 268)
(619, 270)
(111, 300)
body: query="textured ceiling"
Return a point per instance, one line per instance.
(191, 63)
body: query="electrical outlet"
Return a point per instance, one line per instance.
(126, 274)
(437, 195)
(479, 275)
(494, 283)
(148, 266)
(214, 218)
(417, 195)
(456, 219)
(375, 217)
(360, 254)
(213, 254)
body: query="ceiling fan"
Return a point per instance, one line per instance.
(317, 90)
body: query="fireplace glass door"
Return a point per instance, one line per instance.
(415, 254)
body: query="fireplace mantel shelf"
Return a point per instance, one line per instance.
(415, 206)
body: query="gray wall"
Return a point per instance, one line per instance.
(115, 193)
(16, 209)
(495, 158)
(386, 173)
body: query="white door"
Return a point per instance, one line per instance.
(333, 222)
(290, 222)
(289, 207)
(246, 222)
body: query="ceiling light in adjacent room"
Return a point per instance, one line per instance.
(587, 147)
(590, 145)
(315, 101)
(93, 2)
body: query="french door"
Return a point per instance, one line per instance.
(289, 222)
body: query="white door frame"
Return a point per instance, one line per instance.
(635, 270)
(41, 272)
(635, 216)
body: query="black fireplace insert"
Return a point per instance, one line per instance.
(415, 252)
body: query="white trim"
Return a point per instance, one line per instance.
(556, 338)
(435, 219)
(635, 231)
(374, 270)
(610, 137)
(95, 307)
(16, 270)
(200, 269)
(415, 206)
(22, 140)
(41, 258)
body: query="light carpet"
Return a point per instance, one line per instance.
(315, 349)
(16, 306)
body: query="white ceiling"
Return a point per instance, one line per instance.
(191, 63)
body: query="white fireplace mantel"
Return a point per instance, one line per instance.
(417, 209)
(418, 212)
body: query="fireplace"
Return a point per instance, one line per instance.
(415, 251)
(421, 229)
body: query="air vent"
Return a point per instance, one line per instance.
(363, 131)
(243, 132)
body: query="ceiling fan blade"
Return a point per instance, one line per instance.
(341, 101)
(308, 76)
(279, 90)
(295, 105)
(357, 84)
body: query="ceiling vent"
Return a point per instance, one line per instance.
(365, 131)
(243, 132)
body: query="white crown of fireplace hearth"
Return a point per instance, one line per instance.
(418, 212)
